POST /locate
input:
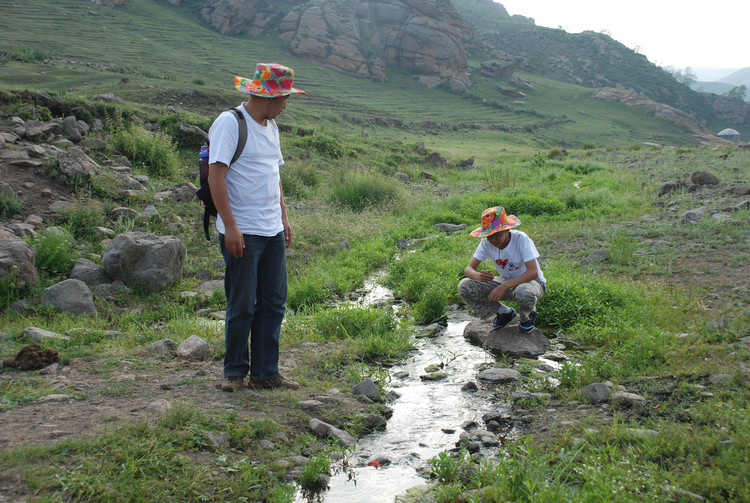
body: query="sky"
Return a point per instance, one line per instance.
(697, 34)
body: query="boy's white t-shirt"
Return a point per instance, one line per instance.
(253, 181)
(510, 262)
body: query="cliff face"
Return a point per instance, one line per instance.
(360, 37)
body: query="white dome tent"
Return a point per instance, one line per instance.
(729, 134)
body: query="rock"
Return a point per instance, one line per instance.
(70, 296)
(434, 376)
(627, 399)
(704, 178)
(497, 375)
(375, 422)
(87, 271)
(436, 159)
(450, 227)
(70, 129)
(54, 398)
(327, 430)
(33, 357)
(367, 388)
(39, 335)
(507, 341)
(163, 347)
(497, 68)
(720, 378)
(161, 406)
(17, 260)
(194, 348)
(597, 256)
(596, 392)
(75, 162)
(139, 258)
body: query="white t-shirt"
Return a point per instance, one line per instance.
(253, 180)
(510, 262)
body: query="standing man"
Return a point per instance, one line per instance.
(520, 278)
(254, 231)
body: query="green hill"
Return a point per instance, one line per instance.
(153, 53)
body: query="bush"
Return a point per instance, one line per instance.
(55, 253)
(10, 204)
(359, 191)
(324, 145)
(153, 152)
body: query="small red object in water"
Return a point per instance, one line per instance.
(374, 463)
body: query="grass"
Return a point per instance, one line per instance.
(638, 318)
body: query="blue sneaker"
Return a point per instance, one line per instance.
(502, 320)
(527, 326)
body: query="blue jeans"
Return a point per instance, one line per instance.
(255, 285)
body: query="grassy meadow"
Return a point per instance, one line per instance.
(658, 320)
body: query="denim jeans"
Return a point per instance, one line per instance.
(255, 285)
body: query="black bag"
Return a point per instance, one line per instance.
(204, 192)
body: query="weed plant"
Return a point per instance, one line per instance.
(359, 191)
(10, 204)
(55, 253)
(154, 152)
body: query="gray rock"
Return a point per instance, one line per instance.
(139, 258)
(39, 335)
(70, 129)
(597, 256)
(450, 227)
(326, 430)
(87, 271)
(163, 347)
(75, 162)
(507, 341)
(194, 348)
(497, 375)
(627, 399)
(54, 398)
(161, 406)
(71, 296)
(367, 388)
(720, 378)
(17, 260)
(596, 392)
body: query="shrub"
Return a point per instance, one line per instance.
(359, 191)
(10, 204)
(153, 152)
(621, 247)
(55, 253)
(324, 145)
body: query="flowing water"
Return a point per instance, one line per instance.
(427, 417)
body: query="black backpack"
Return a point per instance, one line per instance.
(204, 192)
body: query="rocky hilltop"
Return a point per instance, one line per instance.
(361, 37)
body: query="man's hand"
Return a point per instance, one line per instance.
(233, 241)
(486, 275)
(498, 293)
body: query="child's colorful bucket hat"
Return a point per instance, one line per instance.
(494, 220)
(271, 80)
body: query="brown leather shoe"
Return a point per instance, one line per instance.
(232, 383)
(278, 382)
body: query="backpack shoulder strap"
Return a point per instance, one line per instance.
(243, 134)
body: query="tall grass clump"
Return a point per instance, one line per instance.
(621, 247)
(376, 333)
(574, 299)
(152, 152)
(10, 204)
(83, 219)
(358, 191)
(55, 252)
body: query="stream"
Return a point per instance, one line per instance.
(427, 416)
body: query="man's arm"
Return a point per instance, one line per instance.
(531, 274)
(233, 240)
(284, 219)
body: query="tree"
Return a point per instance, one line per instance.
(738, 92)
(686, 76)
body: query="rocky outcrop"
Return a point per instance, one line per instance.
(360, 37)
(733, 111)
(682, 119)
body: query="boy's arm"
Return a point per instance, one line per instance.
(472, 273)
(233, 241)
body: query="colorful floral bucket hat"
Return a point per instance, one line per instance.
(271, 80)
(494, 220)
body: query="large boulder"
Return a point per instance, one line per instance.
(507, 341)
(76, 162)
(17, 260)
(70, 296)
(144, 259)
